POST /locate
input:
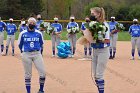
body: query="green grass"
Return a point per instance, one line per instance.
(123, 36)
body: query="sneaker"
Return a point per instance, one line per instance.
(13, 54)
(53, 55)
(132, 58)
(72, 55)
(110, 57)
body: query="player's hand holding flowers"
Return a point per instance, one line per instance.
(73, 30)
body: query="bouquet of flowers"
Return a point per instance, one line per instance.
(47, 27)
(120, 27)
(97, 30)
(73, 30)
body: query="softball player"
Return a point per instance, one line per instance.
(39, 21)
(55, 37)
(134, 31)
(113, 37)
(2, 27)
(22, 26)
(88, 46)
(30, 42)
(11, 29)
(72, 37)
(100, 50)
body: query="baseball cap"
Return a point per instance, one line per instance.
(112, 17)
(32, 19)
(55, 19)
(135, 19)
(72, 17)
(11, 19)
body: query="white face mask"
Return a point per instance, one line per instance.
(23, 22)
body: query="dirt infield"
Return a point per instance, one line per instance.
(71, 75)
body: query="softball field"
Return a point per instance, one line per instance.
(71, 75)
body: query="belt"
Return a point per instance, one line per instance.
(33, 51)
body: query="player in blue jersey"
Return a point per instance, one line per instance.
(39, 21)
(134, 31)
(87, 48)
(100, 48)
(72, 29)
(22, 25)
(2, 28)
(55, 37)
(11, 29)
(30, 42)
(113, 37)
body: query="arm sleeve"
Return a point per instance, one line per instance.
(20, 42)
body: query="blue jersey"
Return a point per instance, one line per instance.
(11, 29)
(29, 41)
(2, 26)
(83, 26)
(57, 26)
(102, 45)
(72, 24)
(23, 27)
(134, 30)
(112, 25)
(38, 24)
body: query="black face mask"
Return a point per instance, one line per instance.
(93, 18)
(135, 22)
(31, 26)
(55, 21)
(72, 20)
(39, 18)
(24, 24)
(113, 20)
(11, 22)
(87, 21)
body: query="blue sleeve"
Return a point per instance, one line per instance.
(60, 27)
(83, 27)
(130, 29)
(20, 42)
(41, 40)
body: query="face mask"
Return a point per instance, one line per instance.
(93, 18)
(72, 20)
(135, 22)
(56, 21)
(87, 21)
(11, 21)
(24, 24)
(39, 18)
(112, 20)
(31, 26)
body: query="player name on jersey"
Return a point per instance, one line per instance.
(31, 39)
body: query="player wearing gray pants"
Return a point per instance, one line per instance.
(134, 31)
(1, 41)
(55, 37)
(100, 48)
(30, 43)
(11, 30)
(113, 37)
(72, 29)
(2, 28)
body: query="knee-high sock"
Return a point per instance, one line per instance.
(110, 52)
(2, 48)
(6, 50)
(90, 51)
(41, 81)
(114, 51)
(85, 51)
(139, 53)
(13, 50)
(53, 50)
(133, 52)
(28, 85)
(74, 50)
(100, 85)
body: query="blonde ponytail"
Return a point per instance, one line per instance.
(101, 12)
